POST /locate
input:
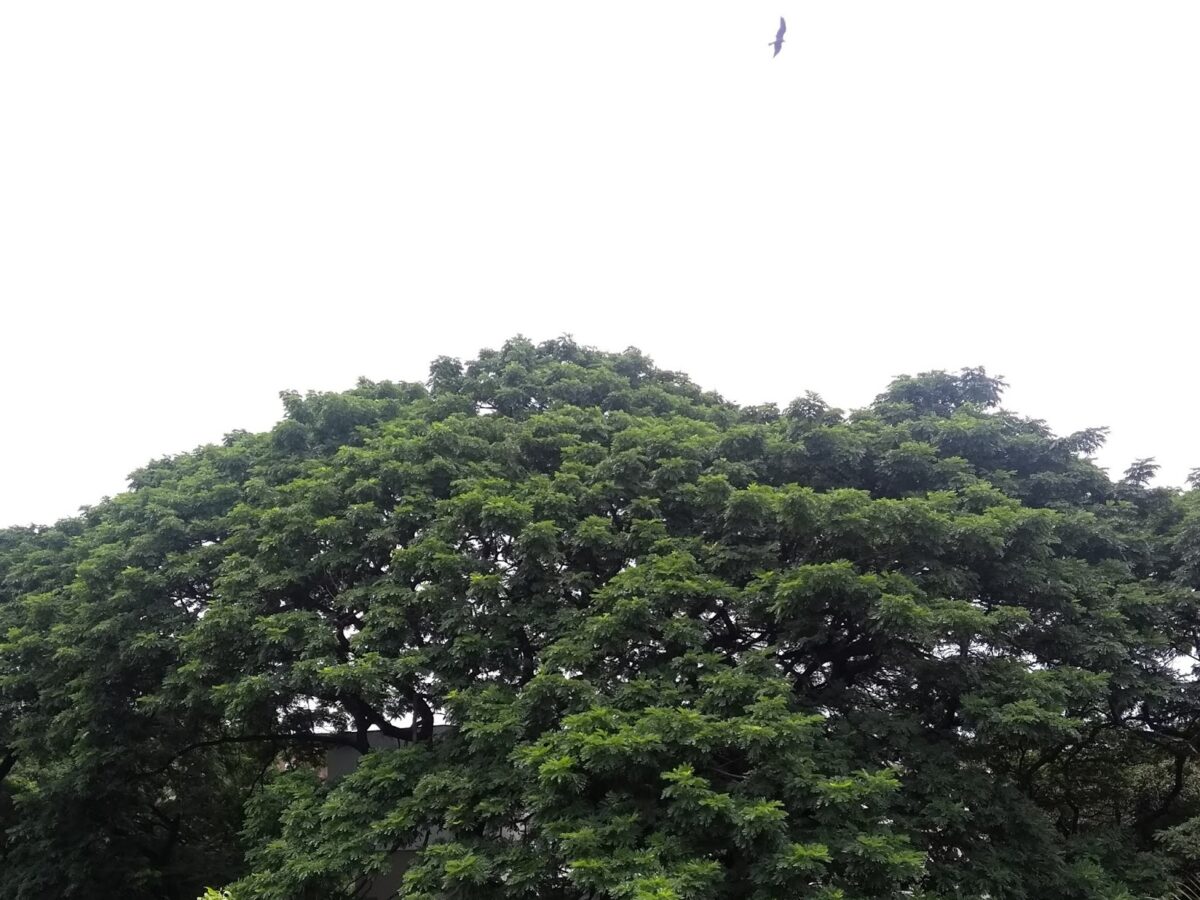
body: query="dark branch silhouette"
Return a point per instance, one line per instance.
(7, 761)
(332, 740)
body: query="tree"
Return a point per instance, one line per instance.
(91, 612)
(688, 650)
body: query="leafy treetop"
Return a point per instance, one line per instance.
(689, 650)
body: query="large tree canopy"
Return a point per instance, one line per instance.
(688, 650)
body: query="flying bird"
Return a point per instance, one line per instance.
(778, 42)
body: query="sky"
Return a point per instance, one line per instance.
(204, 204)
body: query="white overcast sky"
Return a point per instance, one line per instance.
(202, 204)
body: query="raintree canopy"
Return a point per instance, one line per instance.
(687, 650)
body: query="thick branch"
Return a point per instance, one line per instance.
(365, 714)
(528, 655)
(422, 726)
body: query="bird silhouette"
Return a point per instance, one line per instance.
(778, 42)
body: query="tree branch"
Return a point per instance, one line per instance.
(7, 761)
(335, 740)
(1146, 822)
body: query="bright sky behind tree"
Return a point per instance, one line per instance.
(203, 204)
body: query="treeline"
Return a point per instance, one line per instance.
(689, 650)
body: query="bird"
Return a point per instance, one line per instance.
(778, 42)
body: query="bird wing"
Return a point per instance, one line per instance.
(782, 28)
(778, 47)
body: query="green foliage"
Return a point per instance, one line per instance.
(688, 650)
